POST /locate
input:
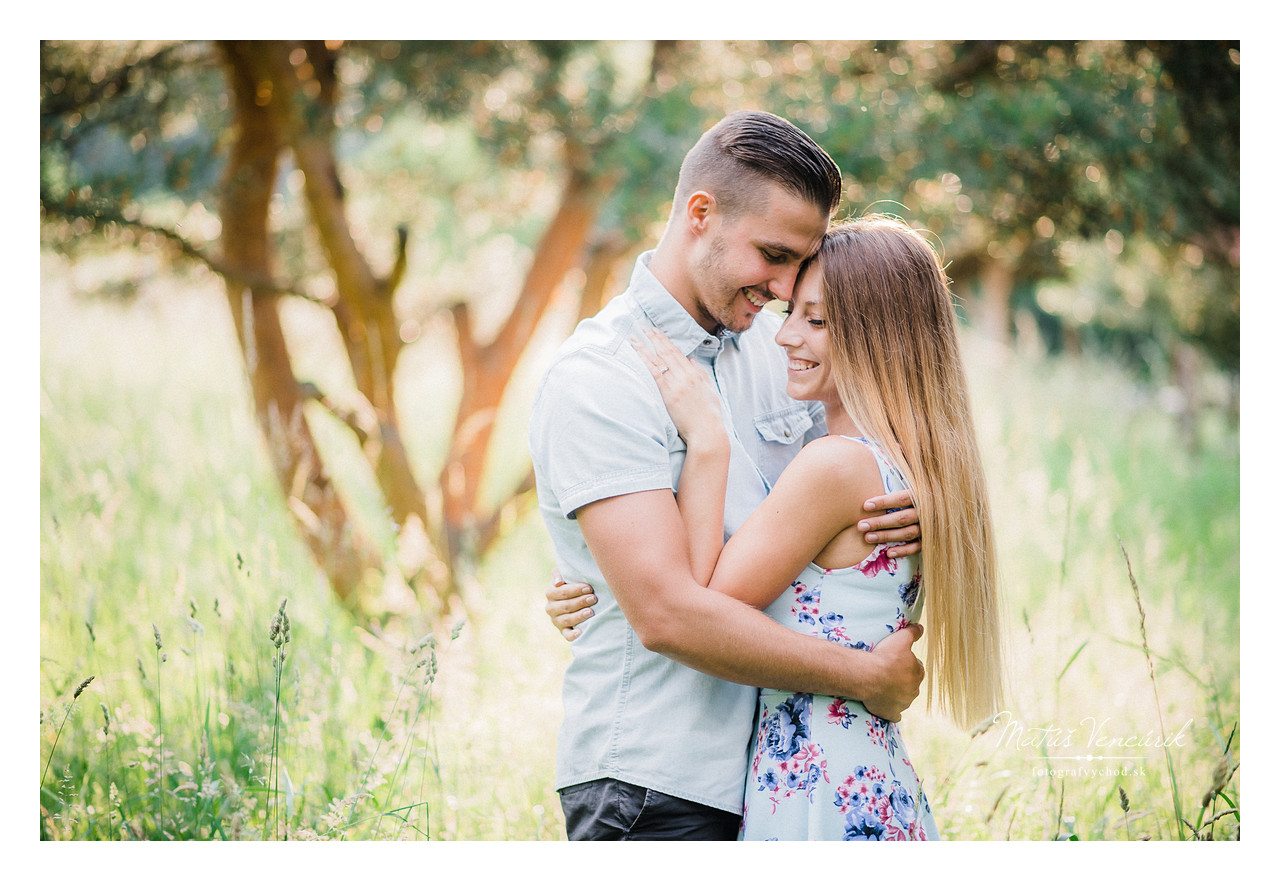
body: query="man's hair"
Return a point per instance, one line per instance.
(742, 151)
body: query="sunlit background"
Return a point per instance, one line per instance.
(295, 298)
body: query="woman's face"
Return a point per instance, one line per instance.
(803, 337)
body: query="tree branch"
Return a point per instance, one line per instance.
(54, 105)
(360, 419)
(387, 286)
(103, 212)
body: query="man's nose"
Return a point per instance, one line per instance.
(783, 284)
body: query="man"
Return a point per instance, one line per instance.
(660, 696)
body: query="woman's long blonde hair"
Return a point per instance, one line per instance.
(896, 360)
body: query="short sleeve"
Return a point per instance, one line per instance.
(598, 429)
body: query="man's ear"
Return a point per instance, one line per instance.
(699, 211)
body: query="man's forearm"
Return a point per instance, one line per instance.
(638, 542)
(723, 637)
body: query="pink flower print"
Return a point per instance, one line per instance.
(876, 731)
(840, 714)
(879, 562)
(893, 833)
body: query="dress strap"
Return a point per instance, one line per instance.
(889, 473)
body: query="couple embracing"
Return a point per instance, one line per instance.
(760, 508)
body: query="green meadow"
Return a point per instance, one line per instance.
(232, 698)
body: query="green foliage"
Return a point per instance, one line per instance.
(121, 121)
(1035, 149)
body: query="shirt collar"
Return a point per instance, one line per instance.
(667, 314)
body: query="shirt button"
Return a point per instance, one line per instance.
(786, 432)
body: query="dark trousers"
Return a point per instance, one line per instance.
(610, 810)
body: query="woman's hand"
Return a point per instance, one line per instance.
(686, 389)
(568, 605)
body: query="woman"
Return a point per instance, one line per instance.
(870, 333)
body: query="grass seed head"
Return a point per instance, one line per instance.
(279, 632)
(1124, 800)
(1221, 774)
(83, 686)
(156, 631)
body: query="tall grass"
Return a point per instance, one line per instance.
(158, 510)
(1085, 464)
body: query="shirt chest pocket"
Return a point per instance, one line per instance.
(779, 436)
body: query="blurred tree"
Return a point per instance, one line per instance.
(1017, 153)
(275, 101)
(1019, 156)
(1094, 185)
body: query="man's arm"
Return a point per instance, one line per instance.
(639, 543)
(569, 604)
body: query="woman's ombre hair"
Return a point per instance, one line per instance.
(896, 361)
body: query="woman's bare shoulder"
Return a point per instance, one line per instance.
(839, 464)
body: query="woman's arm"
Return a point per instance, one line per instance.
(694, 407)
(814, 509)
(811, 514)
(703, 482)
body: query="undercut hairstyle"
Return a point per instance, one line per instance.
(896, 361)
(742, 151)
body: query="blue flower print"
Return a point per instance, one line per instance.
(863, 827)
(787, 727)
(877, 809)
(787, 761)
(910, 591)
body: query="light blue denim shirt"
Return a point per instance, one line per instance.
(599, 429)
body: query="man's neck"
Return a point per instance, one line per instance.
(672, 274)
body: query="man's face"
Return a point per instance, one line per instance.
(753, 258)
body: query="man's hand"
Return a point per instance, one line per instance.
(898, 685)
(902, 523)
(568, 605)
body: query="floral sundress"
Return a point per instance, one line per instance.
(823, 768)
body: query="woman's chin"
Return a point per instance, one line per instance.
(800, 392)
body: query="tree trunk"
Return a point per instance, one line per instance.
(598, 287)
(250, 178)
(487, 369)
(1186, 368)
(364, 305)
(996, 280)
